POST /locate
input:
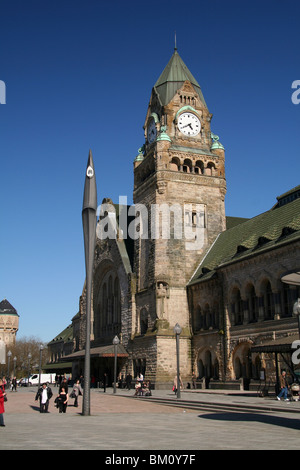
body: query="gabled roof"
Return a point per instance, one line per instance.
(65, 336)
(267, 231)
(173, 77)
(7, 309)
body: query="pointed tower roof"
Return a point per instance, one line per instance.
(173, 77)
(7, 309)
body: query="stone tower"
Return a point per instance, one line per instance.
(9, 323)
(179, 185)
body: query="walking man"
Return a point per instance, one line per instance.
(44, 394)
(283, 386)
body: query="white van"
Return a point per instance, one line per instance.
(34, 379)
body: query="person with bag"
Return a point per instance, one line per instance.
(77, 390)
(62, 400)
(3, 398)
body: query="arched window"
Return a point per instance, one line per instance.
(199, 167)
(288, 298)
(107, 306)
(210, 169)
(268, 303)
(187, 166)
(252, 304)
(175, 164)
(201, 370)
(237, 307)
(104, 305)
(207, 317)
(117, 302)
(144, 321)
(109, 301)
(197, 319)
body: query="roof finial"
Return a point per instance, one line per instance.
(175, 48)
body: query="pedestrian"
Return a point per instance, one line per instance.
(175, 384)
(44, 394)
(14, 384)
(138, 388)
(63, 384)
(93, 381)
(4, 383)
(141, 378)
(283, 386)
(128, 381)
(2, 400)
(105, 381)
(77, 390)
(62, 400)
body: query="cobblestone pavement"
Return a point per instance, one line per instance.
(121, 422)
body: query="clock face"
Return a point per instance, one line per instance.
(151, 131)
(189, 124)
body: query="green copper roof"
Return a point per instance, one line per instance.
(278, 226)
(173, 77)
(65, 335)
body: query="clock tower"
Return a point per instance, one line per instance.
(179, 185)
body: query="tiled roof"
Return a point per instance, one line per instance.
(7, 309)
(273, 228)
(173, 77)
(65, 336)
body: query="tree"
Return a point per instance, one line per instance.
(21, 349)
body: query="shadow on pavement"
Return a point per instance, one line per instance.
(35, 408)
(260, 418)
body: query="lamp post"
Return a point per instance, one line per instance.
(40, 364)
(116, 341)
(9, 354)
(29, 357)
(89, 209)
(296, 312)
(177, 331)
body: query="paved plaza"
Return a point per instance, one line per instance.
(121, 422)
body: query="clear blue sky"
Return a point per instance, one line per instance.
(79, 75)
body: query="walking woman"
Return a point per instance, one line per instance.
(77, 390)
(2, 395)
(63, 398)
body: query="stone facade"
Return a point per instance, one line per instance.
(9, 323)
(220, 283)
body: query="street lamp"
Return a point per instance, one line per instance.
(9, 354)
(296, 312)
(116, 341)
(29, 357)
(177, 331)
(40, 364)
(89, 219)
